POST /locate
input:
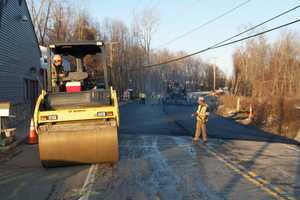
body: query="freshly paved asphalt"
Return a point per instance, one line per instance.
(158, 160)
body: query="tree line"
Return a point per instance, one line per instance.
(269, 74)
(265, 69)
(129, 48)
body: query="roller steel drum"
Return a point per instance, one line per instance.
(71, 143)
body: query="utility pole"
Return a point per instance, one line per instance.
(110, 44)
(111, 53)
(104, 58)
(214, 77)
(214, 73)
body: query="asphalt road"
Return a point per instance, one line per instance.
(158, 160)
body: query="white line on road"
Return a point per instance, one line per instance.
(292, 148)
(88, 183)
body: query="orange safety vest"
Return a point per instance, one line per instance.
(53, 76)
(201, 113)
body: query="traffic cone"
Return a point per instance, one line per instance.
(32, 135)
(250, 117)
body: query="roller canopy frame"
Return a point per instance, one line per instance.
(77, 49)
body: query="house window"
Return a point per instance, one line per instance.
(26, 90)
(31, 90)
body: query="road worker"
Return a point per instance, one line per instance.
(142, 97)
(201, 117)
(58, 74)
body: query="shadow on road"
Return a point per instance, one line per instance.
(230, 185)
(222, 128)
(225, 129)
(150, 154)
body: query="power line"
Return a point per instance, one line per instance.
(219, 45)
(183, 12)
(257, 34)
(251, 28)
(206, 23)
(258, 25)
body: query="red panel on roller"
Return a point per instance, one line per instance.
(73, 86)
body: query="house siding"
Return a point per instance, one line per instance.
(19, 53)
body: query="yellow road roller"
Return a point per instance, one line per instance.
(77, 126)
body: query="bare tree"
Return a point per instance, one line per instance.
(129, 48)
(62, 22)
(84, 27)
(40, 14)
(145, 25)
(269, 73)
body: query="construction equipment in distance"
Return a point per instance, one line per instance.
(175, 93)
(77, 127)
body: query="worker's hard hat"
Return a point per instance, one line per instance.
(57, 58)
(201, 99)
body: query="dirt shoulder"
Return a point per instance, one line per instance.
(277, 116)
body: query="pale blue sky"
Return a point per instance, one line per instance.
(177, 17)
